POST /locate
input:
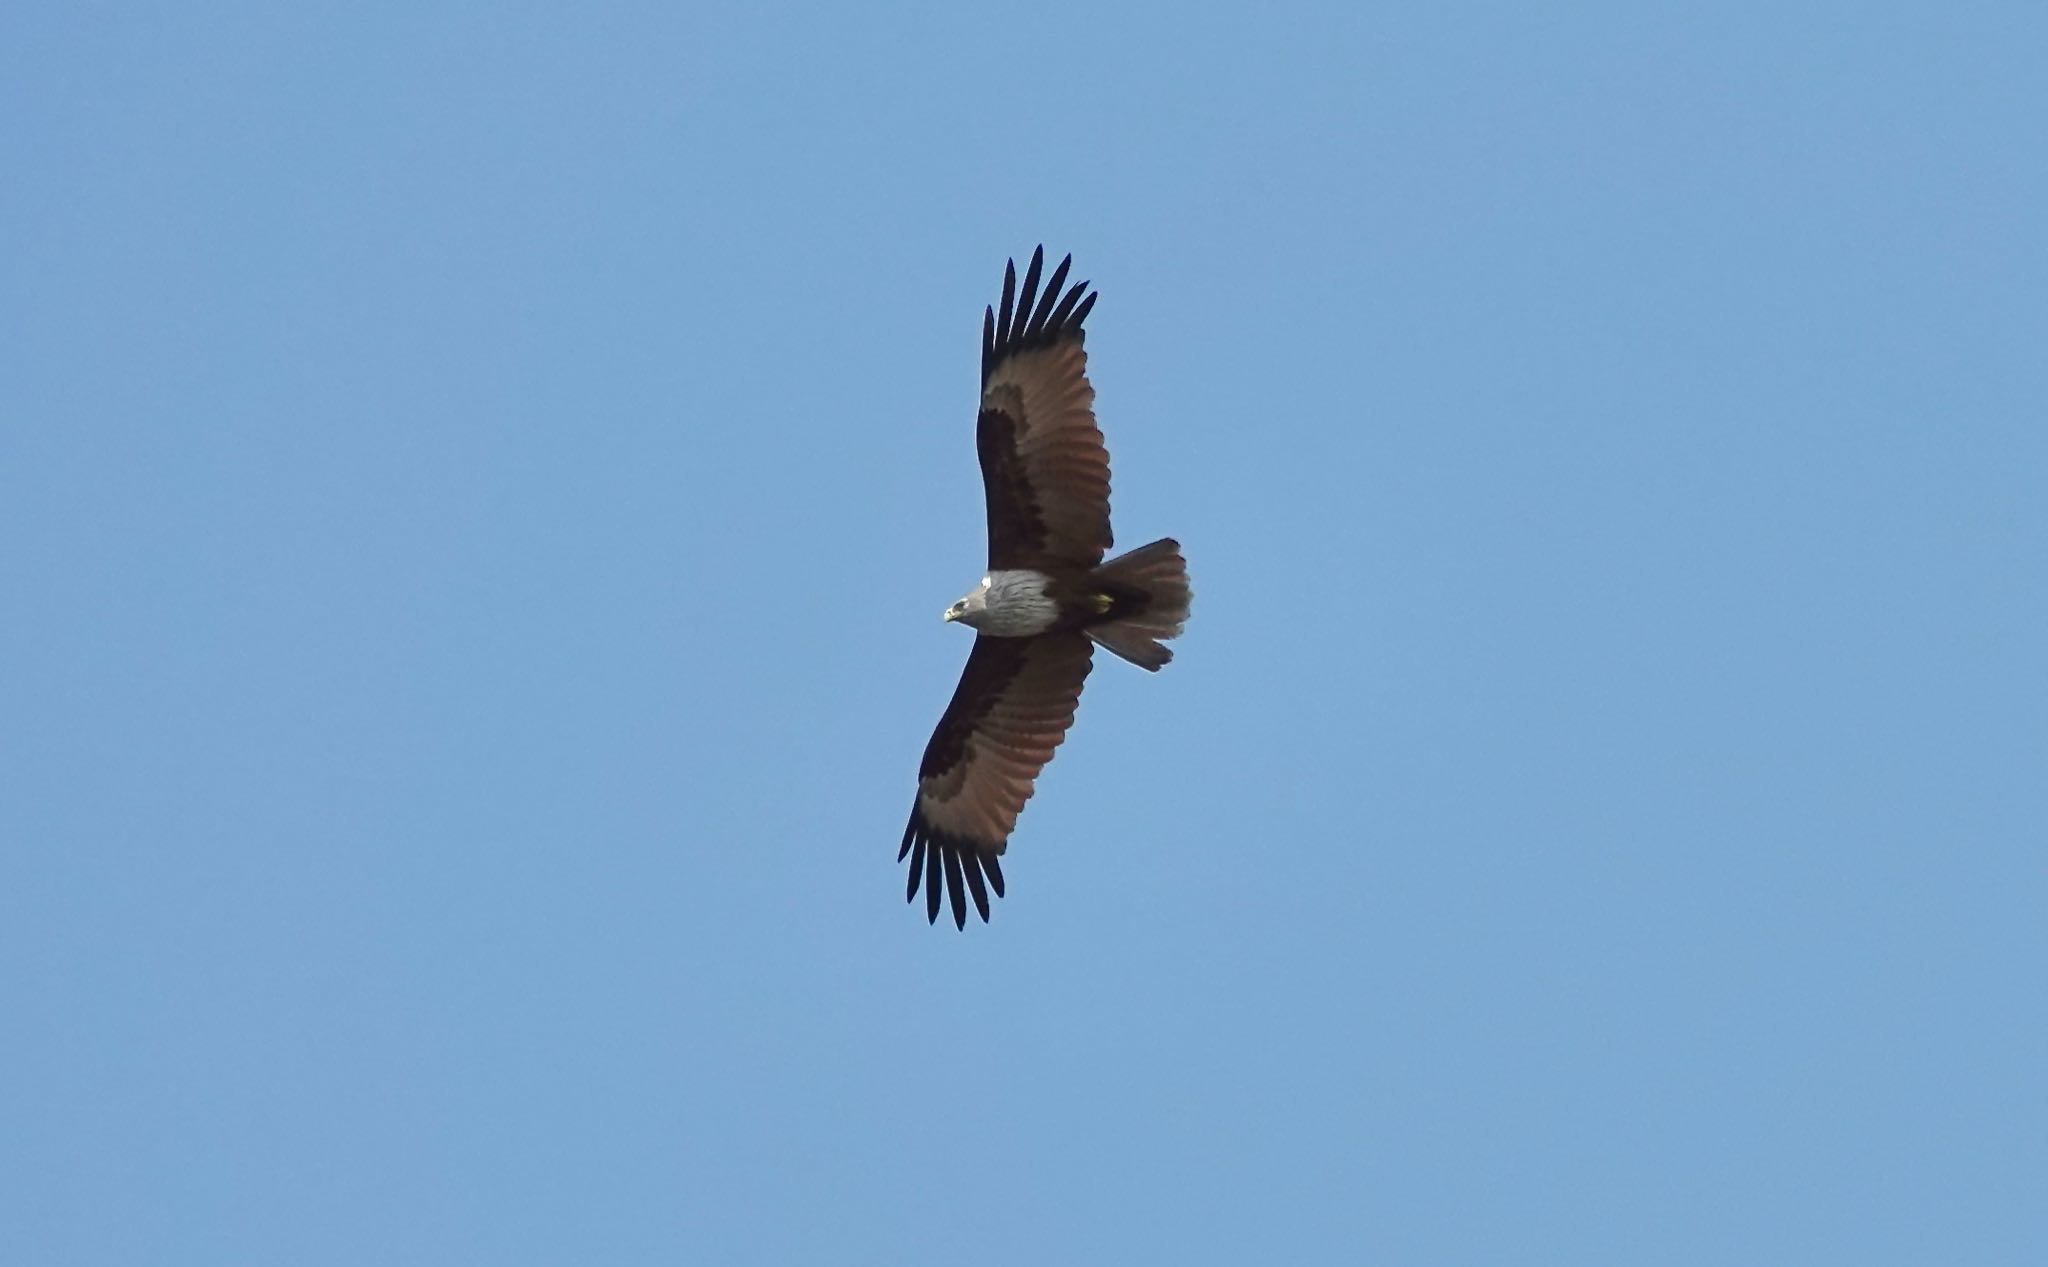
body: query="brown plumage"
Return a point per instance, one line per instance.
(1048, 599)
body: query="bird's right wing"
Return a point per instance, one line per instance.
(1013, 706)
(1043, 464)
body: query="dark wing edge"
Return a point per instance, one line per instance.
(1029, 320)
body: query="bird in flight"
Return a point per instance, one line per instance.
(1047, 600)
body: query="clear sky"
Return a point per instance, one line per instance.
(478, 484)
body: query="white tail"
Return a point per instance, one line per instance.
(1151, 583)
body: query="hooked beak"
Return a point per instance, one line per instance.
(950, 615)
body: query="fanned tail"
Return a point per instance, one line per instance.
(1149, 601)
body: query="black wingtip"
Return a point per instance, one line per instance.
(1027, 295)
(1081, 313)
(916, 870)
(1008, 308)
(1052, 294)
(1028, 318)
(956, 889)
(975, 886)
(951, 870)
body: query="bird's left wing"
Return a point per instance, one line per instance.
(1013, 706)
(1043, 464)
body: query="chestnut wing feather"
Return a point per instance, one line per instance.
(1013, 707)
(1043, 464)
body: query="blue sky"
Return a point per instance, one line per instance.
(477, 487)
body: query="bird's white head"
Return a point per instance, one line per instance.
(972, 608)
(1009, 603)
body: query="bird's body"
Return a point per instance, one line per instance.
(1047, 599)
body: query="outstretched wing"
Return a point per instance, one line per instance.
(1013, 706)
(1042, 460)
